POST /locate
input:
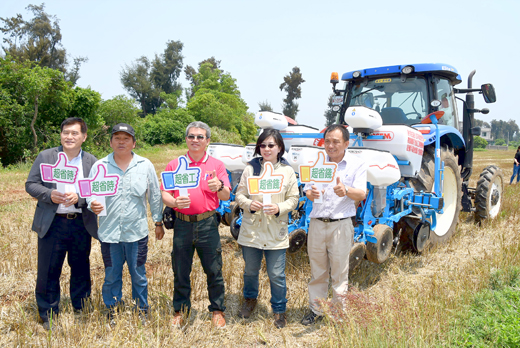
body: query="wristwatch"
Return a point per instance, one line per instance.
(221, 187)
(346, 189)
(157, 224)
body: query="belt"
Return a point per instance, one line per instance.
(331, 220)
(194, 218)
(70, 216)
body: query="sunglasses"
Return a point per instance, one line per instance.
(199, 137)
(263, 146)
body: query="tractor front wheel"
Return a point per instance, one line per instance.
(489, 192)
(452, 192)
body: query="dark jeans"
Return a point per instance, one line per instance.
(203, 237)
(275, 266)
(65, 237)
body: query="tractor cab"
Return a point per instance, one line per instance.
(406, 94)
(402, 96)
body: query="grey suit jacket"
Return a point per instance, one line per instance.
(46, 208)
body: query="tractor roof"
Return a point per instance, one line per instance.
(437, 68)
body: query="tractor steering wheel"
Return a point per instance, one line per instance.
(414, 113)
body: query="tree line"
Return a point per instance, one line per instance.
(38, 90)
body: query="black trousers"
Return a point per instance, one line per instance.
(64, 238)
(204, 238)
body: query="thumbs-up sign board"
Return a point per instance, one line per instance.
(100, 186)
(182, 178)
(320, 172)
(59, 172)
(265, 184)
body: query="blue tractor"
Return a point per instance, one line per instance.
(404, 122)
(432, 145)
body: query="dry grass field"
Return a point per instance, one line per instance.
(409, 301)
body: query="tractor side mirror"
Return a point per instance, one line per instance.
(488, 91)
(475, 131)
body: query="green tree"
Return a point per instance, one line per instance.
(166, 126)
(503, 129)
(191, 72)
(500, 142)
(39, 40)
(217, 102)
(479, 142)
(34, 101)
(292, 86)
(265, 106)
(330, 115)
(480, 123)
(145, 80)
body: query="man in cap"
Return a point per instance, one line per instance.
(123, 232)
(64, 225)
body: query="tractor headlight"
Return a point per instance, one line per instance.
(356, 74)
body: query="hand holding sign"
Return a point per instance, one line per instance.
(320, 172)
(100, 186)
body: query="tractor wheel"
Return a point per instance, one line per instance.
(489, 193)
(234, 228)
(446, 222)
(236, 211)
(297, 239)
(357, 253)
(228, 217)
(380, 251)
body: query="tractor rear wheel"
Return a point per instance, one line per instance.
(488, 195)
(380, 251)
(452, 192)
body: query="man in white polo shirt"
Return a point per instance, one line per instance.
(331, 231)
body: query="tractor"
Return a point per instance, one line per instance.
(404, 122)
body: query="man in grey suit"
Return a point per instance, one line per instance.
(64, 225)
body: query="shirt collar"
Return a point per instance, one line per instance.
(344, 159)
(191, 160)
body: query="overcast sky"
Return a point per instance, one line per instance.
(259, 42)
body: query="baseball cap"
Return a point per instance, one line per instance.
(123, 127)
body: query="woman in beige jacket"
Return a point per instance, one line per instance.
(264, 226)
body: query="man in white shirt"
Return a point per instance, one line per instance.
(331, 231)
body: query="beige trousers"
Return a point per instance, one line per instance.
(328, 245)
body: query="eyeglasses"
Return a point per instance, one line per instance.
(263, 146)
(199, 137)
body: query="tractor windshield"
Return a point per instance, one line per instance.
(398, 102)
